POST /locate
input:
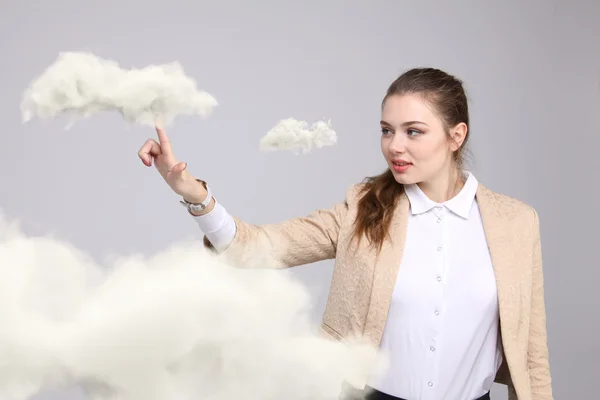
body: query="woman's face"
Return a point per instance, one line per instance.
(414, 141)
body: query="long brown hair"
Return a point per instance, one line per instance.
(380, 194)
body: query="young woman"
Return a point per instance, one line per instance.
(431, 266)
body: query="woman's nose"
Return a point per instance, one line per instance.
(398, 144)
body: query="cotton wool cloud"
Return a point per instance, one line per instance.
(82, 84)
(178, 324)
(296, 136)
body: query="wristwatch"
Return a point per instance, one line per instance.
(195, 207)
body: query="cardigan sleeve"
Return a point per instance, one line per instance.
(296, 241)
(537, 353)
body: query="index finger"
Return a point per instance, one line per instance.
(163, 139)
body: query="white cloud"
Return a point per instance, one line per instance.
(82, 84)
(298, 137)
(175, 325)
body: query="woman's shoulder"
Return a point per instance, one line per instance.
(355, 192)
(504, 204)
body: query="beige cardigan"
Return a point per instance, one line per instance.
(363, 280)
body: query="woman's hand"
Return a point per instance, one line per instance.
(173, 171)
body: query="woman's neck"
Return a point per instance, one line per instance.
(444, 187)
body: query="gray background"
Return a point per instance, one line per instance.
(532, 72)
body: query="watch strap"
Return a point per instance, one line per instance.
(199, 206)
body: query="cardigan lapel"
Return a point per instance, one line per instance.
(385, 273)
(501, 248)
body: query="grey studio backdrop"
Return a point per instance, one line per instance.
(531, 69)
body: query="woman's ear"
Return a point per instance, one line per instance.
(458, 134)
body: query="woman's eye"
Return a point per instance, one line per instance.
(413, 132)
(385, 131)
